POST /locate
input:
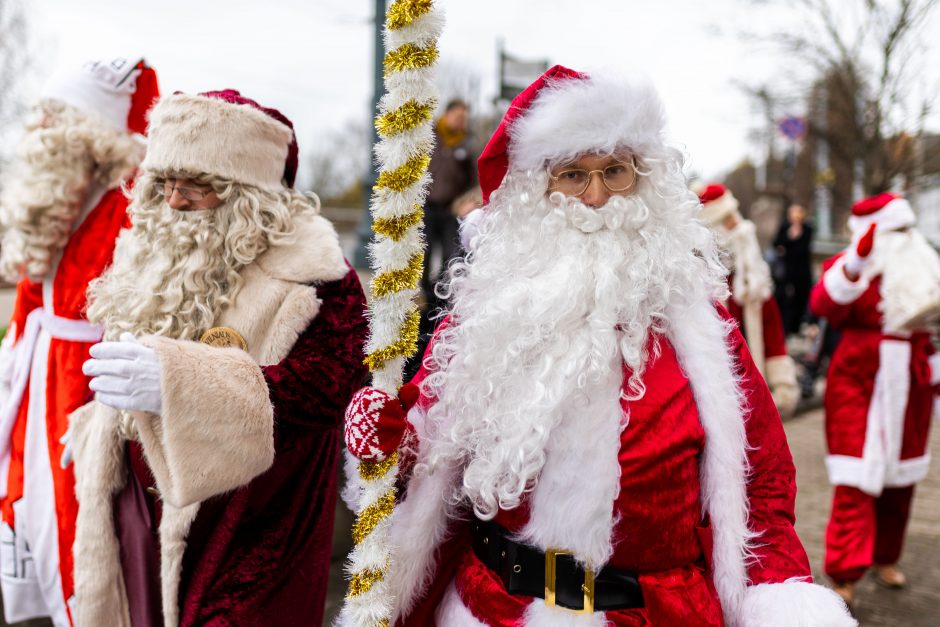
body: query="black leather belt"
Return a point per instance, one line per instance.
(554, 575)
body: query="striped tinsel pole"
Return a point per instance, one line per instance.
(404, 125)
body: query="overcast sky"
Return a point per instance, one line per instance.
(312, 58)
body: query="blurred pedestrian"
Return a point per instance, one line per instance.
(62, 209)
(752, 303)
(234, 333)
(792, 247)
(588, 441)
(880, 292)
(453, 173)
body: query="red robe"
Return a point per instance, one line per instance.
(49, 336)
(878, 394)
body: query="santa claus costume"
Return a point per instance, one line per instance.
(62, 208)
(592, 444)
(752, 303)
(233, 343)
(879, 293)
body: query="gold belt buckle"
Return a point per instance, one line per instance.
(587, 587)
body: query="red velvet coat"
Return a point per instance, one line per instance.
(878, 393)
(679, 439)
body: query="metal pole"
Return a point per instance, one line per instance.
(364, 230)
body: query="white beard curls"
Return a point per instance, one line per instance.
(552, 296)
(176, 271)
(910, 275)
(62, 153)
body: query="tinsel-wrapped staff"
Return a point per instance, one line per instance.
(404, 123)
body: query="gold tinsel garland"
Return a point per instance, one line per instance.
(395, 228)
(398, 184)
(397, 280)
(407, 117)
(405, 346)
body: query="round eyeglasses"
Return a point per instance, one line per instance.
(617, 177)
(192, 194)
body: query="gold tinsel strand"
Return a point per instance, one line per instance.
(370, 471)
(403, 12)
(371, 516)
(410, 57)
(405, 118)
(397, 280)
(404, 176)
(395, 228)
(405, 346)
(362, 582)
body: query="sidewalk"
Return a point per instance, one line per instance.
(915, 606)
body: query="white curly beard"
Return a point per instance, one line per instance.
(61, 155)
(554, 295)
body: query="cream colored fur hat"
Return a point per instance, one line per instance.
(196, 134)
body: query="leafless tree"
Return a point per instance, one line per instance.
(867, 57)
(15, 64)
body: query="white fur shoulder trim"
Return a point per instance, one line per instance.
(793, 604)
(314, 255)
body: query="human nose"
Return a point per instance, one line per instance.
(596, 194)
(176, 200)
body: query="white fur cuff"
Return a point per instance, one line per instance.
(216, 432)
(793, 604)
(840, 289)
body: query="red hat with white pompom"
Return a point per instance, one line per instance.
(120, 91)
(717, 204)
(564, 114)
(888, 211)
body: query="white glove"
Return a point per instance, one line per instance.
(66, 460)
(126, 375)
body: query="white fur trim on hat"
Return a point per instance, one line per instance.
(200, 135)
(717, 210)
(102, 88)
(594, 115)
(897, 214)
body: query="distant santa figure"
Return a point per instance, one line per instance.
(883, 293)
(62, 208)
(752, 302)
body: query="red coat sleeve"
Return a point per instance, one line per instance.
(771, 488)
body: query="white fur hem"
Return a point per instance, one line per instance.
(453, 613)
(793, 604)
(840, 289)
(850, 471)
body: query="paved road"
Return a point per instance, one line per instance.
(919, 604)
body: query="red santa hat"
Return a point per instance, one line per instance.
(888, 211)
(717, 204)
(119, 91)
(564, 114)
(224, 134)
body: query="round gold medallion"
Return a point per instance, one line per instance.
(224, 337)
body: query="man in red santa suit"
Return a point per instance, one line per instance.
(233, 335)
(752, 303)
(592, 444)
(62, 208)
(881, 292)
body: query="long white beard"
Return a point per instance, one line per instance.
(170, 277)
(552, 297)
(910, 275)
